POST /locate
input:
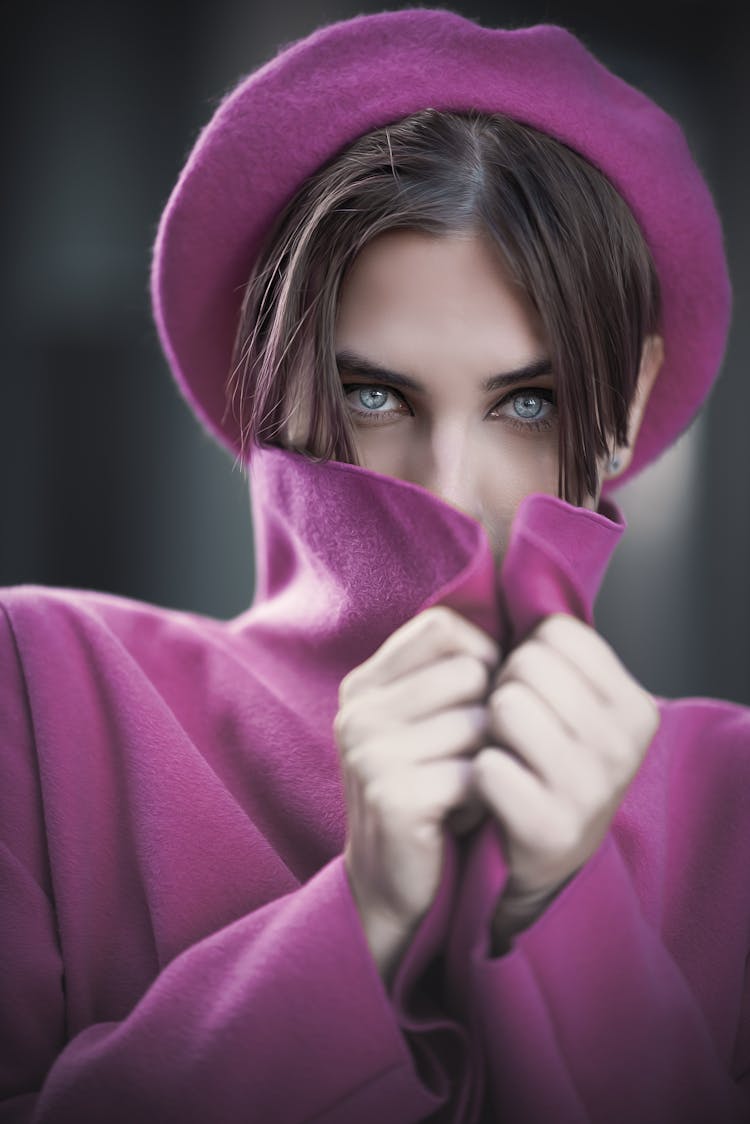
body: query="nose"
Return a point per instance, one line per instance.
(450, 469)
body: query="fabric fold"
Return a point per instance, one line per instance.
(174, 818)
(436, 555)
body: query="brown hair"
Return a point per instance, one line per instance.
(567, 236)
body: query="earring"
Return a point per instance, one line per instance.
(614, 464)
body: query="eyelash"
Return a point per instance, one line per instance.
(535, 425)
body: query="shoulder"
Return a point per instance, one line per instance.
(698, 718)
(689, 804)
(706, 743)
(32, 606)
(32, 613)
(55, 640)
(699, 758)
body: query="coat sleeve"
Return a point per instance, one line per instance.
(589, 1017)
(279, 1016)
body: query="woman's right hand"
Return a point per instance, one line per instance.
(410, 718)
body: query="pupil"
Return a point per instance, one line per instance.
(530, 405)
(372, 397)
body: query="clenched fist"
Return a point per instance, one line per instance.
(410, 720)
(435, 733)
(569, 728)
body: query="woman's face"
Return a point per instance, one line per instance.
(446, 371)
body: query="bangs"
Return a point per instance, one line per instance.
(564, 233)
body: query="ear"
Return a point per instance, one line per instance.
(652, 357)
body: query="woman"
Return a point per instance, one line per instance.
(405, 840)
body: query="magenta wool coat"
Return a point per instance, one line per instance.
(179, 939)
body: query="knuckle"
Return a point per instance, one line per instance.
(438, 621)
(362, 766)
(509, 667)
(359, 721)
(651, 715)
(510, 695)
(350, 725)
(341, 727)
(373, 796)
(349, 686)
(629, 735)
(523, 660)
(451, 730)
(553, 625)
(483, 764)
(470, 674)
(388, 795)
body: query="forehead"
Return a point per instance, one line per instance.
(441, 291)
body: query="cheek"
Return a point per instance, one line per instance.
(387, 449)
(520, 464)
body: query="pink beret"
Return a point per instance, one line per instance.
(319, 94)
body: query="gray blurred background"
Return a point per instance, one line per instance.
(107, 481)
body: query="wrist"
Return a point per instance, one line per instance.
(517, 912)
(387, 938)
(387, 935)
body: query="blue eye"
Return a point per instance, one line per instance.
(530, 408)
(373, 397)
(527, 405)
(367, 402)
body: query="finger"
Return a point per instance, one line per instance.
(452, 733)
(567, 692)
(633, 708)
(513, 794)
(521, 722)
(544, 833)
(437, 632)
(424, 796)
(440, 686)
(590, 653)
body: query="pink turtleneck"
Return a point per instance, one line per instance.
(179, 941)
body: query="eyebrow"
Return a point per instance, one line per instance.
(358, 365)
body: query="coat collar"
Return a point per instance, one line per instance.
(344, 556)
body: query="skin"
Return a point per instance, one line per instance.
(440, 728)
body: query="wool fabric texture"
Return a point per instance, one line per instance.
(179, 938)
(292, 115)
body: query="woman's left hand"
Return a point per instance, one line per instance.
(574, 726)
